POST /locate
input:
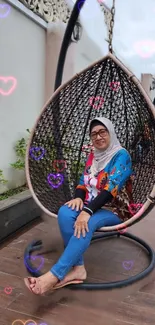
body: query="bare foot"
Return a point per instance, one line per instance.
(42, 284)
(32, 282)
(78, 273)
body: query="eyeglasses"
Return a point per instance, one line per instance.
(102, 133)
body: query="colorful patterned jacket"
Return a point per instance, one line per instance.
(116, 178)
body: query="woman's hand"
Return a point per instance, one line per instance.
(75, 203)
(81, 224)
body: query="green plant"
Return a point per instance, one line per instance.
(20, 149)
(11, 192)
(76, 168)
(2, 179)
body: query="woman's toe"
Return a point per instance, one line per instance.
(32, 285)
(27, 283)
(36, 290)
(32, 280)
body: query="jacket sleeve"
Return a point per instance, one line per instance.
(119, 173)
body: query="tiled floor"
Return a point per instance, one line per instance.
(134, 304)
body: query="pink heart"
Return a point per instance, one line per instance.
(145, 48)
(8, 290)
(12, 83)
(92, 99)
(133, 207)
(114, 85)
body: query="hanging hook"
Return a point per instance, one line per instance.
(111, 26)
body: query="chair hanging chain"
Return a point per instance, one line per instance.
(111, 27)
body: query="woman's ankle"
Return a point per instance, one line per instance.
(79, 267)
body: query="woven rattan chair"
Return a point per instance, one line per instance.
(59, 142)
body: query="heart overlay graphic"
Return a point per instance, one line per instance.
(11, 82)
(133, 208)
(59, 163)
(37, 150)
(8, 290)
(56, 177)
(4, 10)
(145, 48)
(92, 100)
(33, 258)
(114, 85)
(128, 265)
(28, 322)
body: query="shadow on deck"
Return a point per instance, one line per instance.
(134, 304)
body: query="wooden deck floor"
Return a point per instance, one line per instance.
(104, 262)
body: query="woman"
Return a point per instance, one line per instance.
(105, 182)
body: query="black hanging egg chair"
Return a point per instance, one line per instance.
(55, 157)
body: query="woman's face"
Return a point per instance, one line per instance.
(100, 137)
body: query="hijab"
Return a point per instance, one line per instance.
(103, 157)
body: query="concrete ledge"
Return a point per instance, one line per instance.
(17, 211)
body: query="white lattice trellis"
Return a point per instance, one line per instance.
(57, 10)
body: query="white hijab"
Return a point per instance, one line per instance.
(102, 157)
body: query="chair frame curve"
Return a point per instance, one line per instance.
(141, 213)
(106, 231)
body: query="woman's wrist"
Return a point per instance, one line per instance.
(88, 210)
(97, 203)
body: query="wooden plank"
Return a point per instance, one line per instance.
(133, 305)
(8, 317)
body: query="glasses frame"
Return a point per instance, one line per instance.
(94, 136)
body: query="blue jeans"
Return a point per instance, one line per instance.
(75, 247)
